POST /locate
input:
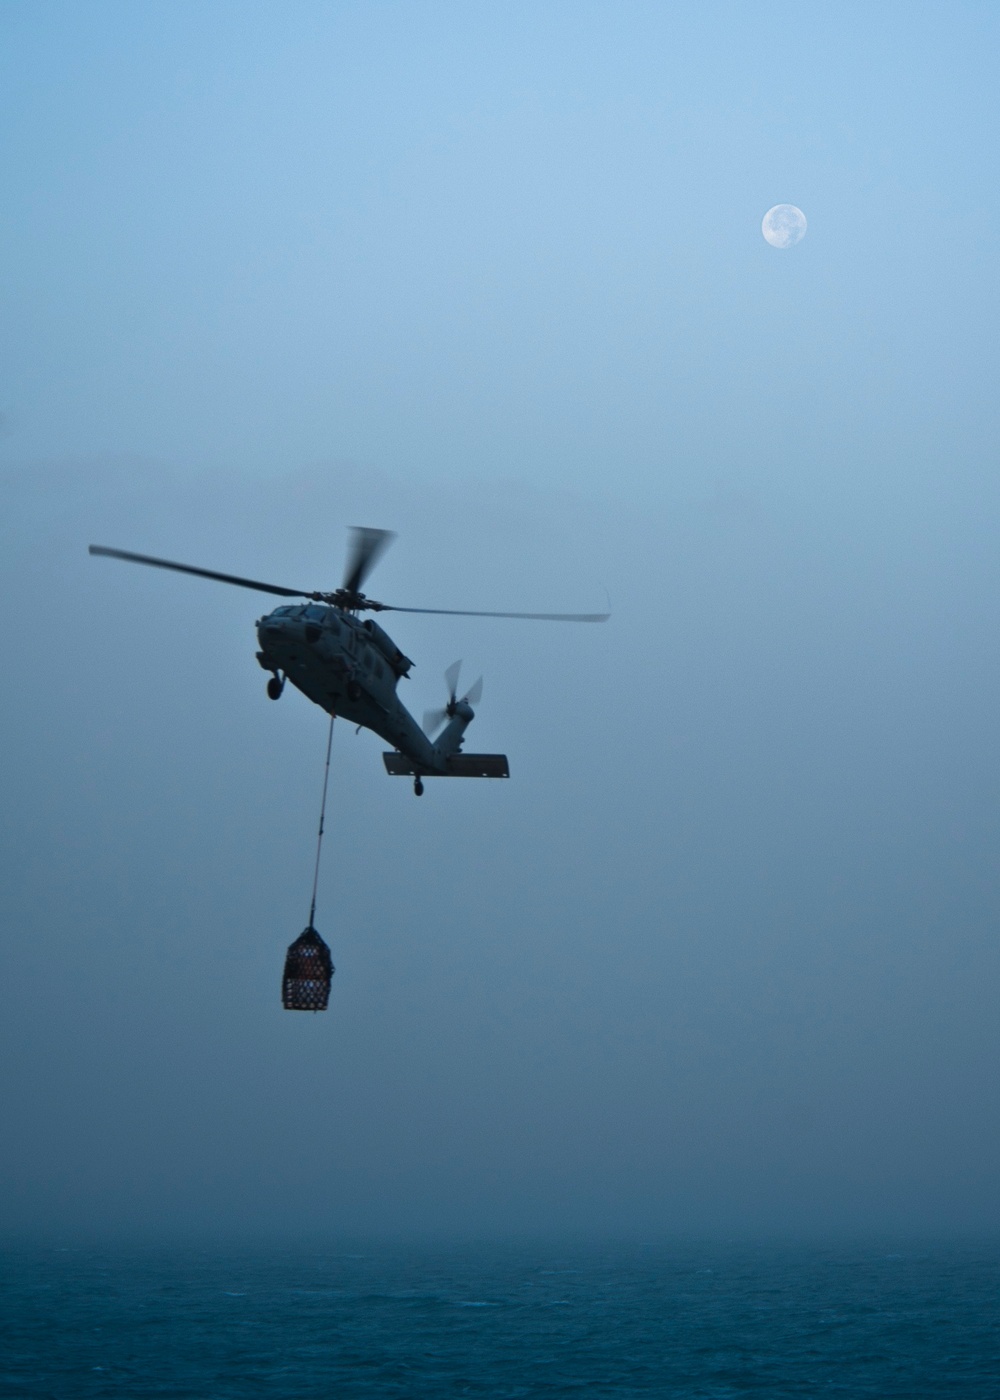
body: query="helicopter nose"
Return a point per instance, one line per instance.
(272, 628)
(272, 633)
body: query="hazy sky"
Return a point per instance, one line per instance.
(722, 955)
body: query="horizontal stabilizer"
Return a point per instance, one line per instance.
(457, 765)
(478, 765)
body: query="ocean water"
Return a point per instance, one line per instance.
(533, 1320)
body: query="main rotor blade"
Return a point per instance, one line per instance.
(200, 573)
(531, 617)
(367, 547)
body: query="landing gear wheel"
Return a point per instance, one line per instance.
(418, 787)
(275, 687)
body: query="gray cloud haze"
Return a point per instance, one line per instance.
(722, 955)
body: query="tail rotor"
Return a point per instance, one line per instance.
(434, 719)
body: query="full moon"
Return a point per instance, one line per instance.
(783, 226)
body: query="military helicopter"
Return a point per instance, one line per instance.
(351, 667)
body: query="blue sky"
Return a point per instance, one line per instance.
(722, 954)
(518, 240)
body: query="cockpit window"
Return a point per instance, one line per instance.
(314, 612)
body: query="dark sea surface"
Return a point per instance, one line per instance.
(680, 1320)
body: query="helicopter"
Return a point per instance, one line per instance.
(351, 667)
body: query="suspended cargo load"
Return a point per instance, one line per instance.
(308, 972)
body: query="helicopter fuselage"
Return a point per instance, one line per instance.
(351, 668)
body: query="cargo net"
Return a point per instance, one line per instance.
(308, 970)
